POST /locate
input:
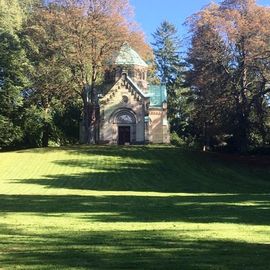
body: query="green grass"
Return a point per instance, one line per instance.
(132, 208)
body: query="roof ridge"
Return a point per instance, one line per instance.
(136, 86)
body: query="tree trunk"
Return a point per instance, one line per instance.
(86, 114)
(46, 126)
(93, 108)
(258, 103)
(243, 135)
(242, 131)
(243, 108)
(46, 135)
(89, 98)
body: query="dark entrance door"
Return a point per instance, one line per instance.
(123, 135)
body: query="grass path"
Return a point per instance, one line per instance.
(132, 208)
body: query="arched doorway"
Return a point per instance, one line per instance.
(126, 127)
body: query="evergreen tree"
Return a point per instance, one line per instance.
(166, 47)
(166, 50)
(11, 15)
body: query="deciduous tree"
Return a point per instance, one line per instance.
(84, 35)
(243, 27)
(13, 68)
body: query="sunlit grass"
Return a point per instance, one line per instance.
(132, 207)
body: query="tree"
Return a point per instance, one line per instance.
(208, 83)
(13, 68)
(170, 71)
(13, 64)
(166, 50)
(51, 79)
(14, 12)
(11, 15)
(83, 36)
(242, 26)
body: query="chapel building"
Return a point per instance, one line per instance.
(132, 111)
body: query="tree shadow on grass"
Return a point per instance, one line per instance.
(235, 194)
(238, 209)
(218, 192)
(157, 170)
(128, 250)
(157, 151)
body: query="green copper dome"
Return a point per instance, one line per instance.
(127, 56)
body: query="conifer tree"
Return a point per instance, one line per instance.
(166, 50)
(166, 47)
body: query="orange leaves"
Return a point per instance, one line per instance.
(84, 34)
(237, 21)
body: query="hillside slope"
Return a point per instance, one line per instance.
(132, 208)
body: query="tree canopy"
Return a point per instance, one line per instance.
(54, 53)
(229, 60)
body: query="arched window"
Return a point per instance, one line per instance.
(125, 117)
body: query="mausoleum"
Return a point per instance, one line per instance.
(131, 111)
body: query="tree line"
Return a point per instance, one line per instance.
(53, 56)
(219, 90)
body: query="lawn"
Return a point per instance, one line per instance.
(132, 208)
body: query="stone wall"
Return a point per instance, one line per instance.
(158, 128)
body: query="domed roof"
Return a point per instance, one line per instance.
(127, 56)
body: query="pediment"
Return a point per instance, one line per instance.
(126, 87)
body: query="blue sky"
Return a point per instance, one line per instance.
(150, 13)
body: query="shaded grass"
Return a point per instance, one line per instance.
(136, 250)
(132, 208)
(239, 209)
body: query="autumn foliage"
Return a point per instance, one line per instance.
(229, 68)
(53, 55)
(81, 37)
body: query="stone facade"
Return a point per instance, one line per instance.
(131, 110)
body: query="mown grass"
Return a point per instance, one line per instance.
(132, 208)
